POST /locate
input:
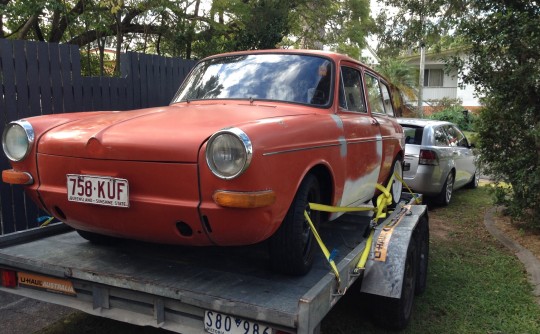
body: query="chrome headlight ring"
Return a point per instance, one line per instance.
(17, 140)
(228, 153)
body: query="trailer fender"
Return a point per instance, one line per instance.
(385, 267)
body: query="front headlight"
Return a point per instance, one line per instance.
(17, 140)
(228, 153)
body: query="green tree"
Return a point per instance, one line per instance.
(504, 41)
(401, 75)
(412, 22)
(340, 25)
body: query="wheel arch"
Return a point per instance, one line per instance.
(326, 183)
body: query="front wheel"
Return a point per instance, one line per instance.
(292, 247)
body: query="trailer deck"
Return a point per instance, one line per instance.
(172, 286)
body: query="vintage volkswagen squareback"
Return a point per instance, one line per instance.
(249, 139)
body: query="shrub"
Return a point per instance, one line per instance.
(457, 115)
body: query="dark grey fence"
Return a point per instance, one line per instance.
(43, 78)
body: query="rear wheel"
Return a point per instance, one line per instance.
(397, 186)
(475, 180)
(447, 190)
(292, 247)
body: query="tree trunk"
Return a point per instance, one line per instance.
(119, 40)
(191, 32)
(23, 32)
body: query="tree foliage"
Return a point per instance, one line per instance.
(401, 75)
(412, 22)
(340, 25)
(189, 28)
(504, 39)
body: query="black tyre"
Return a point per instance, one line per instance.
(293, 246)
(447, 190)
(98, 238)
(475, 180)
(395, 313)
(422, 245)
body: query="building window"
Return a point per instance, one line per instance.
(433, 78)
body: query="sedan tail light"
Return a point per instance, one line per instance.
(428, 157)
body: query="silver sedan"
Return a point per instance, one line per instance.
(438, 158)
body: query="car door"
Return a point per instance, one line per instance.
(382, 111)
(363, 149)
(462, 155)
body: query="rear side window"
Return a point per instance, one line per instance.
(351, 90)
(413, 134)
(387, 100)
(440, 137)
(455, 137)
(375, 97)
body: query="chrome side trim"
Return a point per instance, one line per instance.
(324, 146)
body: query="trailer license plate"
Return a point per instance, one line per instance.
(218, 323)
(101, 190)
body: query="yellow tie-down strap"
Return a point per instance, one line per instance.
(380, 211)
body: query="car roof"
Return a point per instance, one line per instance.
(422, 122)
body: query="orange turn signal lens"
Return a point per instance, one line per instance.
(247, 200)
(14, 177)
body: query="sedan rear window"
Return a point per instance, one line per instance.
(413, 134)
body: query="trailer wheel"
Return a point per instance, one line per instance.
(423, 254)
(395, 313)
(292, 247)
(98, 238)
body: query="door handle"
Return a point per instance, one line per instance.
(374, 122)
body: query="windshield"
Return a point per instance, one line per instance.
(277, 77)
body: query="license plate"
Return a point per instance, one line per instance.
(218, 323)
(101, 190)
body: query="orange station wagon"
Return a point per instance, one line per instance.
(247, 142)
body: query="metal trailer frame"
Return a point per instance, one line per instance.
(170, 287)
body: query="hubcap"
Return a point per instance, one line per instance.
(449, 187)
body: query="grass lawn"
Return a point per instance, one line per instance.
(474, 284)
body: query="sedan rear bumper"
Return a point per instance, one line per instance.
(427, 180)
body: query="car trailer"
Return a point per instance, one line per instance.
(224, 289)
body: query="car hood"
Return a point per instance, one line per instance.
(167, 134)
